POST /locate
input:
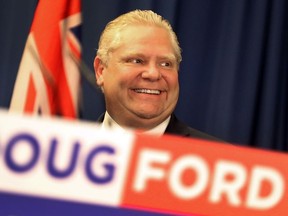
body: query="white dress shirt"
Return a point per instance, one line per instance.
(109, 123)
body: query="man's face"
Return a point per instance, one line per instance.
(140, 81)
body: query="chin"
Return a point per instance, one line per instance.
(147, 115)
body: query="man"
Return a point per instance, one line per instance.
(137, 67)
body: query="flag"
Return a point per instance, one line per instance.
(48, 79)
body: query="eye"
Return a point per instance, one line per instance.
(136, 61)
(165, 64)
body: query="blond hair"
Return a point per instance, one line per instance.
(110, 37)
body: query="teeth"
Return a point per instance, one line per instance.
(148, 91)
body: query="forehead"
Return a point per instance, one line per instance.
(145, 38)
(144, 32)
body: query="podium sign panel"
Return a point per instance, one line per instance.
(78, 167)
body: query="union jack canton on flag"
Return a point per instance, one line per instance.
(48, 80)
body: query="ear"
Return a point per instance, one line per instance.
(99, 68)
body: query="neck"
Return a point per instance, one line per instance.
(155, 128)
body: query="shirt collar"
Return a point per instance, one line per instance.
(109, 123)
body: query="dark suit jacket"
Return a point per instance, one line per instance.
(177, 127)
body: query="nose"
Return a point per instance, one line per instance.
(151, 72)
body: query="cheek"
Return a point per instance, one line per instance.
(173, 82)
(110, 75)
(115, 80)
(174, 89)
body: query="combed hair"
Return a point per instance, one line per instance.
(110, 37)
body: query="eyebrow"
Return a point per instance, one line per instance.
(140, 55)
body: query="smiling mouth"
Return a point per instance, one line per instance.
(148, 91)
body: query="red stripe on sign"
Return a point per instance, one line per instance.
(191, 176)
